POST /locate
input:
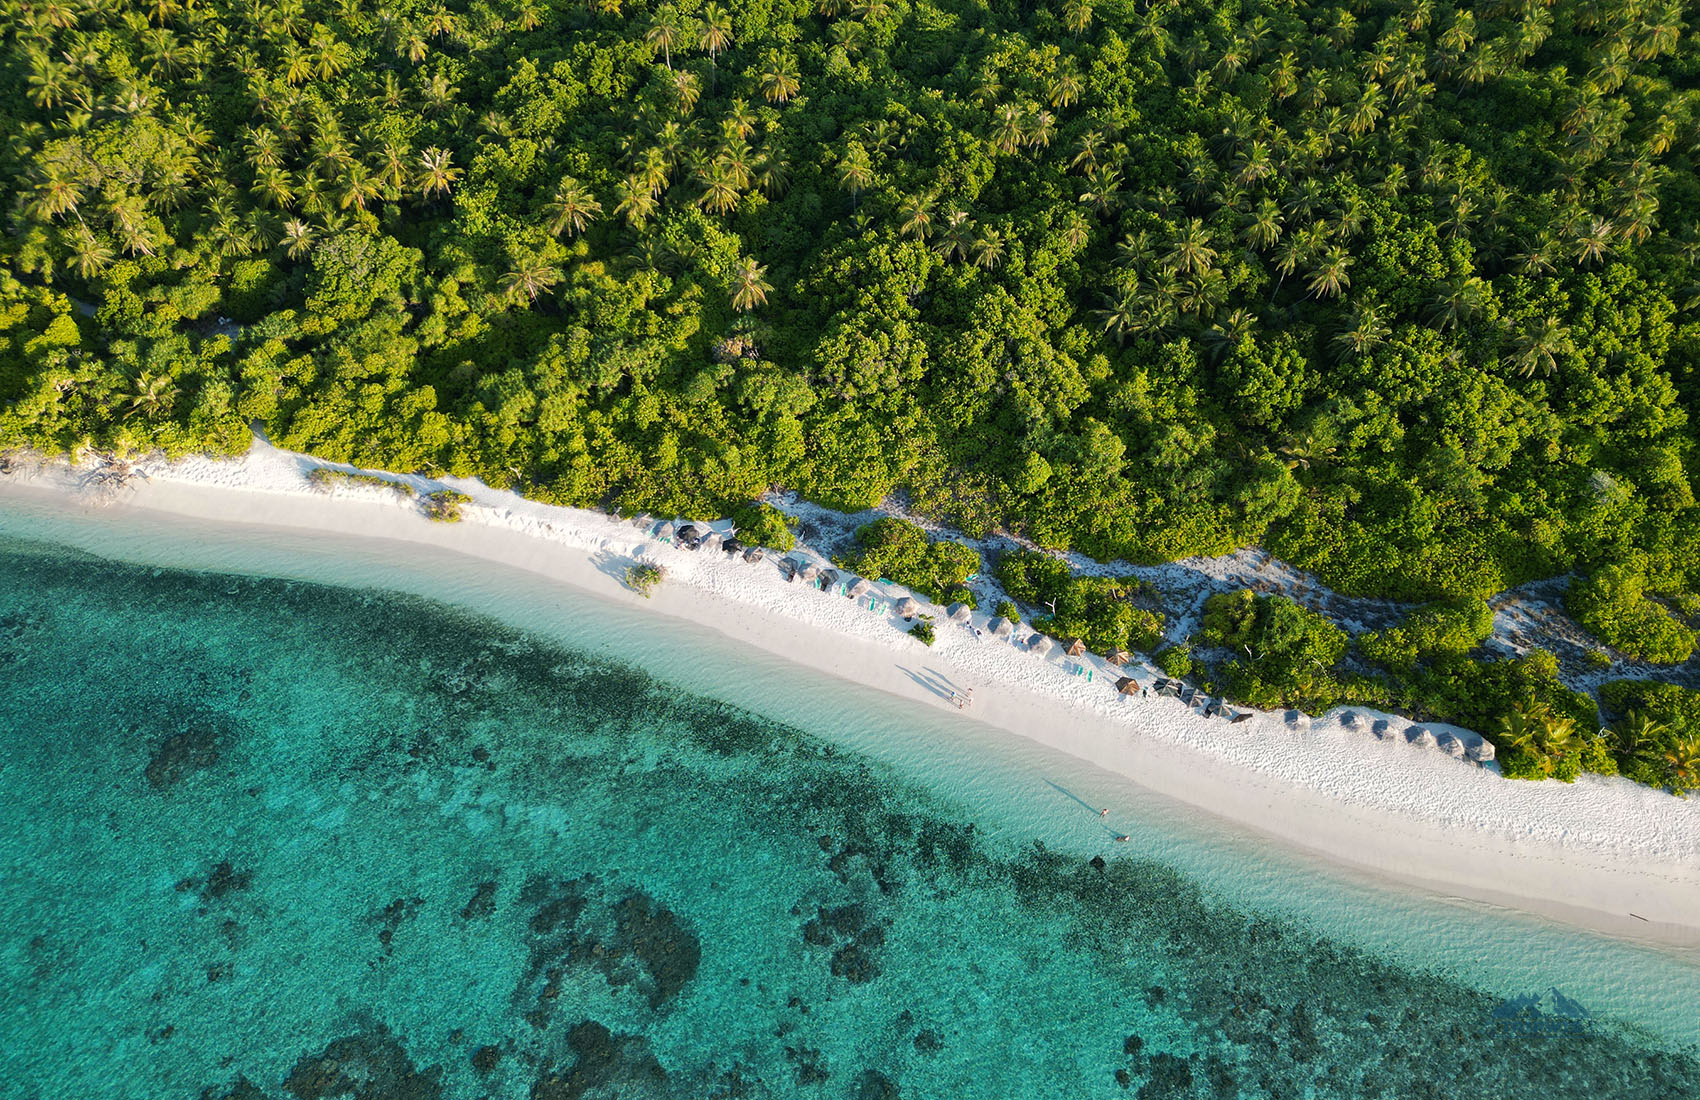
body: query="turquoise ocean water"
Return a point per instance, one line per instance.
(265, 838)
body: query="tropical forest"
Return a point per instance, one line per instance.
(1403, 292)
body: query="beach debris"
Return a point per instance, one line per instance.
(112, 473)
(1119, 658)
(1421, 736)
(1451, 745)
(1040, 644)
(1127, 685)
(1076, 647)
(959, 612)
(907, 608)
(1002, 627)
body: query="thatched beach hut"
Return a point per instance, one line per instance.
(861, 588)
(959, 612)
(1119, 658)
(1451, 745)
(907, 608)
(1076, 647)
(1041, 645)
(1421, 736)
(1127, 685)
(1002, 627)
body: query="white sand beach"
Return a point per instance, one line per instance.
(1603, 854)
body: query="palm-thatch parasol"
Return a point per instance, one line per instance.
(1451, 745)
(711, 540)
(691, 531)
(907, 608)
(1421, 736)
(960, 612)
(1002, 627)
(1298, 719)
(753, 554)
(860, 588)
(732, 546)
(1481, 752)
(1119, 658)
(827, 578)
(665, 531)
(1040, 644)
(1127, 685)
(643, 520)
(1076, 646)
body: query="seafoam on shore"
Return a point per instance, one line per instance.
(1602, 852)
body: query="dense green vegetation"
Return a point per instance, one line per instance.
(1282, 653)
(444, 505)
(323, 477)
(761, 524)
(1098, 610)
(1613, 604)
(896, 550)
(1402, 289)
(1655, 732)
(643, 578)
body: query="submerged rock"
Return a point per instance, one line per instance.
(182, 754)
(482, 903)
(668, 951)
(372, 1066)
(605, 1064)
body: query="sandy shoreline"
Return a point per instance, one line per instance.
(1601, 854)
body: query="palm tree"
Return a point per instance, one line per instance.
(749, 289)
(956, 240)
(687, 89)
(1008, 131)
(1122, 316)
(1191, 252)
(1540, 347)
(1077, 16)
(917, 211)
(89, 255)
(1457, 301)
(358, 188)
(772, 175)
(988, 249)
(438, 174)
(779, 78)
(1329, 278)
(1683, 760)
(1366, 332)
(719, 192)
(531, 276)
(1263, 225)
(855, 170)
(638, 202)
(665, 32)
(1593, 243)
(714, 31)
(298, 238)
(154, 394)
(571, 208)
(1065, 85)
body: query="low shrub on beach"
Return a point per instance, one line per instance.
(1097, 609)
(923, 632)
(897, 550)
(643, 577)
(324, 478)
(761, 524)
(444, 505)
(1008, 610)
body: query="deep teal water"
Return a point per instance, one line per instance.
(264, 838)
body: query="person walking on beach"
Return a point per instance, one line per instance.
(1105, 812)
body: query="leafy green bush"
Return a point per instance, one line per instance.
(1175, 660)
(923, 631)
(1097, 609)
(643, 577)
(897, 550)
(323, 477)
(444, 505)
(1282, 653)
(1612, 605)
(1655, 732)
(761, 524)
(1008, 610)
(1447, 629)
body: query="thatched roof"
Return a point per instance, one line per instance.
(827, 578)
(1040, 644)
(692, 531)
(960, 612)
(665, 531)
(643, 520)
(1421, 735)
(1451, 745)
(1481, 752)
(860, 588)
(907, 608)
(1002, 627)
(1076, 646)
(753, 553)
(1119, 658)
(711, 541)
(732, 546)
(1127, 685)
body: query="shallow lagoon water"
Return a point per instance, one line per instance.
(270, 838)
